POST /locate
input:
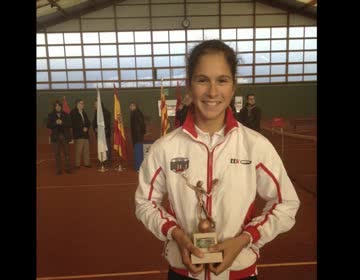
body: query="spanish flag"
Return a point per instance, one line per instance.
(165, 125)
(119, 135)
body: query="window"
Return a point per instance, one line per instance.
(72, 38)
(160, 36)
(73, 51)
(262, 33)
(75, 60)
(75, 76)
(245, 33)
(107, 37)
(57, 63)
(127, 62)
(41, 64)
(91, 50)
(74, 63)
(109, 62)
(143, 62)
(55, 38)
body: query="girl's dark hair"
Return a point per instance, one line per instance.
(210, 47)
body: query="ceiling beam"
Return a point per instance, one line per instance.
(60, 10)
(73, 12)
(289, 8)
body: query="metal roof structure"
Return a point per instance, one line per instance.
(52, 12)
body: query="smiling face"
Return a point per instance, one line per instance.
(212, 88)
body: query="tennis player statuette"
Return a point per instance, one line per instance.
(206, 235)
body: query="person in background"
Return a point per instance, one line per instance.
(214, 158)
(250, 114)
(233, 108)
(138, 130)
(107, 119)
(183, 109)
(81, 125)
(59, 123)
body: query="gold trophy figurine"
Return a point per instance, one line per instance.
(206, 237)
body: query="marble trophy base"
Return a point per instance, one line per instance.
(203, 241)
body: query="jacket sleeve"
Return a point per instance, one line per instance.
(66, 121)
(257, 118)
(94, 122)
(240, 116)
(149, 195)
(87, 121)
(275, 187)
(51, 122)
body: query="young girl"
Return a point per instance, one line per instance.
(228, 163)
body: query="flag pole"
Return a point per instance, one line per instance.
(118, 129)
(102, 169)
(119, 168)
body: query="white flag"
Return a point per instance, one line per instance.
(101, 139)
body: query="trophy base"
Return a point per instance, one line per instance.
(208, 258)
(203, 241)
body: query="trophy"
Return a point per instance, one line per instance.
(206, 235)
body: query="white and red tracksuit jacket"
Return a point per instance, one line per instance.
(245, 163)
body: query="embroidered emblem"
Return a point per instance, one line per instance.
(179, 164)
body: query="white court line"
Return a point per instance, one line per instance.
(94, 185)
(286, 264)
(157, 272)
(40, 161)
(52, 158)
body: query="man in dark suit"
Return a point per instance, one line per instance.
(250, 114)
(81, 125)
(138, 130)
(59, 122)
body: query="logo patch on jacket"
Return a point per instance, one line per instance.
(179, 164)
(238, 161)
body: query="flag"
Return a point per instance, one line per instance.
(101, 139)
(178, 102)
(65, 106)
(119, 135)
(164, 116)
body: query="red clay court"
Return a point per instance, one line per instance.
(87, 229)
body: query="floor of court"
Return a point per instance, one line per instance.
(87, 229)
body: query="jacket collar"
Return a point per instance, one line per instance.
(189, 126)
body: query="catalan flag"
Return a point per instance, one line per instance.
(178, 102)
(165, 125)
